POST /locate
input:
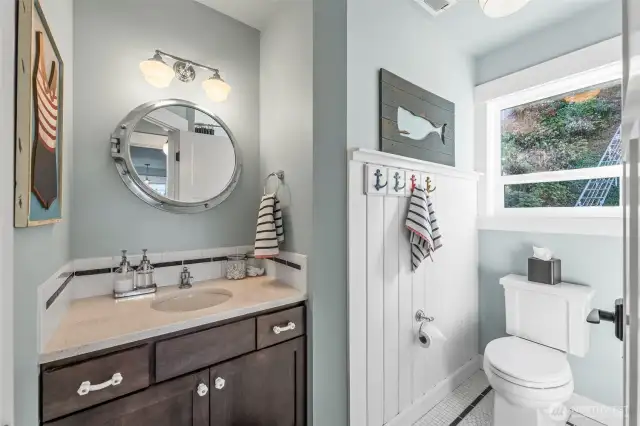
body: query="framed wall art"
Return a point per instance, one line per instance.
(39, 124)
(415, 122)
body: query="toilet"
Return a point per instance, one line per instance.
(529, 371)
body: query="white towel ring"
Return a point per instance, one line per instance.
(279, 174)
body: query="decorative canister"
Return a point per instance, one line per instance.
(236, 266)
(254, 266)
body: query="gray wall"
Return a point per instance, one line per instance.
(328, 261)
(40, 251)
(398, 36)
(584, 29)
(286, 116)
(7, 67)
(590, 260)
(112, 37)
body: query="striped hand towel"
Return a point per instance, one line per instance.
(270, 231)
(421, 222)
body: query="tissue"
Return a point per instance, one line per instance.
(542, 253)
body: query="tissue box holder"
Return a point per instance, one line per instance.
(544, 271)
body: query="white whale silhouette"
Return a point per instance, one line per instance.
(417, 127)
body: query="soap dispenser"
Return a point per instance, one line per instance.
(123, 277)
(144, 276)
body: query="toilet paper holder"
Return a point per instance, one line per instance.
(422, 317)
(424, 339)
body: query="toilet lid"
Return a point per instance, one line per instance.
(528, 364)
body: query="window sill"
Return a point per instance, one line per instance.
(602, 226)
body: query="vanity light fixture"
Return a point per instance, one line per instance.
(501, 8)
(159, 74)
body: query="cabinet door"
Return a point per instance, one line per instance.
(264, 388)
(183, 401)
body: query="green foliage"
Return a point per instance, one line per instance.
(553, 135)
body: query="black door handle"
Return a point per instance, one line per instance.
(617, 318)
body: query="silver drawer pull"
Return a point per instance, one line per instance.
(278, 330)
(86, 387)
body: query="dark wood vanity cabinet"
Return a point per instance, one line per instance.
(249, 372)
(265, 388)
(171, 403)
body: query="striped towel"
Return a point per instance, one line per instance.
(270, 231)
(421, 221)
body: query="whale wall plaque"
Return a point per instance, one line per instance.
(415, 122)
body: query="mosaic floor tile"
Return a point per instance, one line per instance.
(465, 407)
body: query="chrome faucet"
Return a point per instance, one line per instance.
(186, 280)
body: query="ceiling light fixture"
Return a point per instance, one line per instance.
(159, 74)
(501, 8)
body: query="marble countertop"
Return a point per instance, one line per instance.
(101, 322)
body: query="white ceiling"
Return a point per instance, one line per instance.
(468, 28)
(464, 24)
(255, 13)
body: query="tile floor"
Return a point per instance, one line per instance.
(471, 404)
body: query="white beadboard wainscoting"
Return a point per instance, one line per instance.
(392, 379)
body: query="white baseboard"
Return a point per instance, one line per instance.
(419, 408)
(609, 416)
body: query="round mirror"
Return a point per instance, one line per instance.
(176, 156)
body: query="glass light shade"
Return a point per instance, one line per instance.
(165, 148)
(217, 89)
(157, 72)
(501, 8)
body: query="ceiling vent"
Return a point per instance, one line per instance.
(436, 7)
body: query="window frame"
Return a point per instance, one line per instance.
(496, 182)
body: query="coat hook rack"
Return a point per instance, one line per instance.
(279, 174)
(378, 175)
(413, 182)
(428, 187)
(396, 187)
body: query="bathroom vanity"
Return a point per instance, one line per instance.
(245, 369)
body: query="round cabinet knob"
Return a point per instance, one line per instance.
(202, 389)
(219, 383)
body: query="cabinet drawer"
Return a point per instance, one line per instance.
(192, 352)
(280, 326)
(75, 387)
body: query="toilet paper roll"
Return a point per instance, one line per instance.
(429, 333)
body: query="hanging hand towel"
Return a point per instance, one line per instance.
(421, 221)
(270, 231)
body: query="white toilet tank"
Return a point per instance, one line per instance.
(552, 315)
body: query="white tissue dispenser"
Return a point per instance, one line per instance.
(544, 271)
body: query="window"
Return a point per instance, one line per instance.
(556, 148)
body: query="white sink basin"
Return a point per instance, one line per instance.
(191, 300)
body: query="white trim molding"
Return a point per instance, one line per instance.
(608, 416)
(597, 226)
(596, 64)
(370, 156)
(437, 394)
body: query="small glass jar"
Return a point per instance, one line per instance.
(254, 266)
(236, 267)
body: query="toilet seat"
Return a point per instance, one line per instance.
(527, 364)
